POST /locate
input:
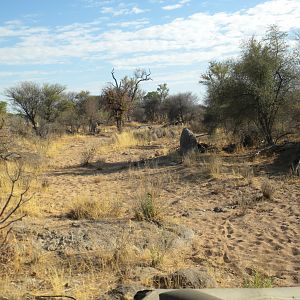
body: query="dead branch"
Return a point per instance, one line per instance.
(53, 296)
(114, 78)
(9, 206)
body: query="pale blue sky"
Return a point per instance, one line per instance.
(78, 42)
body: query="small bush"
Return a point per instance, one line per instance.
(87, 156)
(212, 165)
(147, 210)
(125, 140)
(258, 280)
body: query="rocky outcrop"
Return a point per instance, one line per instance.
(188, 141)
(195, 278)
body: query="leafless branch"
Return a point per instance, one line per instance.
(10, 207)
(5, 237)
(114, 78)
(54, 296)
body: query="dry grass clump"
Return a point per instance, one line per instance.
(212, 165)
(221, 138)
(189, 159)
(247, 172)
(84, 207)
(267, 189)
(125, 139)
(155, 133)
(160, 250)
(149, 202)
(45, 273)
(87, 156)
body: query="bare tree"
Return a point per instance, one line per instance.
(119, 96)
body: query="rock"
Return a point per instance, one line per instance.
(188, 141)
(218, 209)
(229, 148)
(247, 141)
(195, 278)
(183, 232)
(141, 294)
(226, 258)
(125, 292)
(202, 147)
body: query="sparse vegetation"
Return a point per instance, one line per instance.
(87, 156)
(212, 165)
(94, 209)
(148, 210)
(258, 280)
(113, 202)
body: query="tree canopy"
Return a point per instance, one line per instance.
(254, 87)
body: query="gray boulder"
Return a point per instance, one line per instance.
(194, 278)
(123, 292)
(188, 141)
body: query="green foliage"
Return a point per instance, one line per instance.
(258, 280)
(51, 99)
(36, 102)
(180, 107)
(147, 210)
(3, 107)
(152, 105)
(254, 88)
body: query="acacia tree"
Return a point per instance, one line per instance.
(37, 102)
(119, 96)
(179, 106)
(27, 99)
(52, 96)
(153, 102)
(256, 86)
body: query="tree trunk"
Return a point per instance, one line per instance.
(119, 124)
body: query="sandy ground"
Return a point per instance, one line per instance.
(229, 228)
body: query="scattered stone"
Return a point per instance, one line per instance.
(125, 292)
(141, 294)
(226, 258)
(202, 147)
(182, 231)
(195, 278)
(230, 148)
(188, 141)
(218, 209)
(185, 214)
(250, 271)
